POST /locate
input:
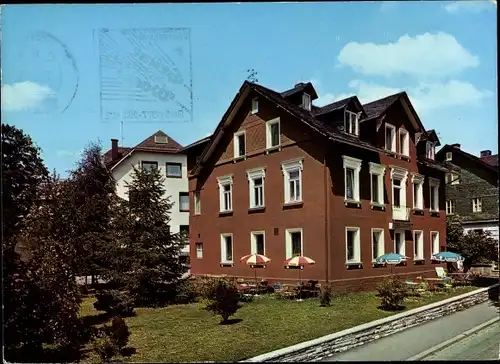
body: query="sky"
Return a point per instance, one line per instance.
(74, 74)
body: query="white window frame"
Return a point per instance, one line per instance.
(288, 241)
(355, 164)
(379, 171)
(236, 144)
(477, 204)
(255, 105)
(268, 133)
(418, 200)
(223, 249)
(306, 101)
(401, 175)
(434, 183)
(433, 242)
(381, 242)
(404, 149)
(449, 156)
(357, 245)
(252, 175)
(253, 241)
(224, 181)
(287, 168)
(393, 137)
(430, 150)
(351, 122)
(197, 202)
(403, 250)
(450, 207)
(418, 244)
(199, 252)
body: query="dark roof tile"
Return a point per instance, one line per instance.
(334, 106)
(376, 108)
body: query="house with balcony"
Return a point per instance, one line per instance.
(341, 184)
(162, 152)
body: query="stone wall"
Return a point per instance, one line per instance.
(321, 348)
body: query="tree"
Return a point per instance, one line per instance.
(148, 256)
(224, 299)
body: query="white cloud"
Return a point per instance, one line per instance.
(69, 153)
(24, 95)
(469, 6)
(423, 56)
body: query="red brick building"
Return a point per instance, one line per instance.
(341, 184)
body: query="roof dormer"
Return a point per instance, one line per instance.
(302, 94)
(306, 101)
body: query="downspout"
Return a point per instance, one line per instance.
(327, 220)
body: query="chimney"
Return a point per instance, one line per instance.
(485, 153)
(114, 149)
(456, 146)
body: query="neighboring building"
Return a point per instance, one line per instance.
(472, 188)
(157, 151)
(341, 184)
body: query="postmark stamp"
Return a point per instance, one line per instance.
(145, 75)
(46, 62)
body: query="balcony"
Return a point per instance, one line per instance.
(400, 213)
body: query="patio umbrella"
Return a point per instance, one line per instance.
(299, 261)
(448, 257)
(255, 260)
(392, 259)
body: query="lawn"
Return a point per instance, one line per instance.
(189, 333)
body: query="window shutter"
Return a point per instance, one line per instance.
(253, 245)
(288, 244)
(221, 198)
(223, 249)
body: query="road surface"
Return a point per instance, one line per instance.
(408, 343)
(483, 345)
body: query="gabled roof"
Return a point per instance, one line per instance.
(301, 87)
(198, 142)
(147, 145)
(473, 158)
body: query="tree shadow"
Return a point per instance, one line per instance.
(128, 351)
(231, 321)
(392, 309)
(96, 319)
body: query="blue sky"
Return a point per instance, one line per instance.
(63, 84)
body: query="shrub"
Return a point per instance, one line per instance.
(204, 286)
(186, 291)
(326, 295)
(112, 339)
(113, 302)
(106, 348)
(224, 299)
(392, 291)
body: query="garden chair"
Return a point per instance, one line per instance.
(441, 273)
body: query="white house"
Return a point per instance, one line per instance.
(157, 151)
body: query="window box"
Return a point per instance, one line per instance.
(292, 204)
(354, 265)
(226, 213)
(227, 265)
(377, 206)
(352, 203)
(256, 209)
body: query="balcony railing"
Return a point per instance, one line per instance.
(400, 213)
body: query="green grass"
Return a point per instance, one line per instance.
(183, 333)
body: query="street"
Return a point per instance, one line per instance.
(413, 341)
(483, 345)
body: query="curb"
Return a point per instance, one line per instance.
(453, 340)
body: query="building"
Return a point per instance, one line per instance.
(472, 188)
(157, 151)
(341, 184)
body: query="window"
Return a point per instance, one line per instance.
(377, 172)
(434, 194)
(199, 250)
(225, 193)
(418, 244)
(226, 248)
(161, 139)
(294, 243)
(183, 201)
(434, 242)
(390, 138)
(429, 150)
(256, 187)
(398, 177)
(239, 145)
(197, 203)
(377, 243)
(448, 156)
(477, 204)
(399, 242)
(255, 105)
(451, 178)
(404, 142)
(353, 254)
(352, 167)
(184, 233)
(450, 207)
(257, 242)
(396, 192)
(292, 172)
(149, 165)
(418, 191)
(306, 101)
(174, 170)
(351, 123)
(273, 133)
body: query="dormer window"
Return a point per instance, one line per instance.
(429, 150)
(255, 105)
(306, 101)
(351, 123)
